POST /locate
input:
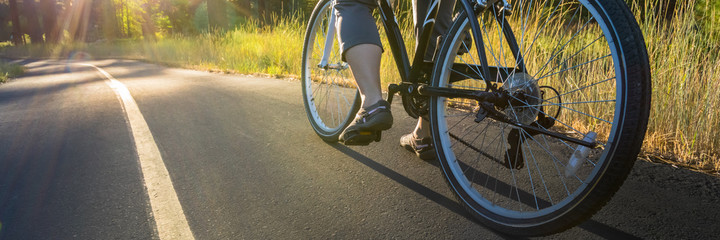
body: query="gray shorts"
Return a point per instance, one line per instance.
(356, 25)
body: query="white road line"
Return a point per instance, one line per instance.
(169, 217)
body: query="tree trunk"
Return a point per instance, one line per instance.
(33, 22)
(148, 26)
(50, 25)
(127, 19)
(108, 20)
(18, 37)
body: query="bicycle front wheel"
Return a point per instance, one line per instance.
(329, 94)
(576, 71)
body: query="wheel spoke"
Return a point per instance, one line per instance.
(575, 54)
(573, 67)
(581, 88)
(564, 103)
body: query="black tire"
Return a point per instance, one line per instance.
(330, 98)
(519, 182)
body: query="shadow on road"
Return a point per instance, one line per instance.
(605, 231)
(592, 226)
(412, 185)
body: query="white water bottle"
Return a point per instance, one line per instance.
(579, 156)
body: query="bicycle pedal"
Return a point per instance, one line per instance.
(358, 138)
(378, 135)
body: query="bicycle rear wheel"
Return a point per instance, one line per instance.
(329, 94)
(577, 69)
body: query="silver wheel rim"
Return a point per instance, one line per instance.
(327, 92)
(487, 201)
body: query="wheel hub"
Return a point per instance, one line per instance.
(523, 105)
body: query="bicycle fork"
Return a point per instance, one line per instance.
(329, 38)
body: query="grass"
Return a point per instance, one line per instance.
(9, 70)
(246, 49)
(685, 62)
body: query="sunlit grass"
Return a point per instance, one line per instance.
(685, 64)
(9, 70)
(247, 49)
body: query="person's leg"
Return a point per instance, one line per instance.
(364, 60)
(442, 24)
(360, 44)
(361, 49)
(374, 115)
(422, 128)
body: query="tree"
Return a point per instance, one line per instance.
(147, 15)
(4, 22)
(18, 37)
(107, 18)
(217, 15)
(49, 15)
(33, 27)
(79, 19)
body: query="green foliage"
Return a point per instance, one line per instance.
(201, 18)
(9, 70)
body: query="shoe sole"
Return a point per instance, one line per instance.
(427, 155)
(360, 138)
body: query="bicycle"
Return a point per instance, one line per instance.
(537, 109)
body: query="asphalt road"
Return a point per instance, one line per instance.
(245, 164)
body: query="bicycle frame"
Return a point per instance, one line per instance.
(411, 75)
(329, 38)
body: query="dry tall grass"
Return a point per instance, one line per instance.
(685, 62)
